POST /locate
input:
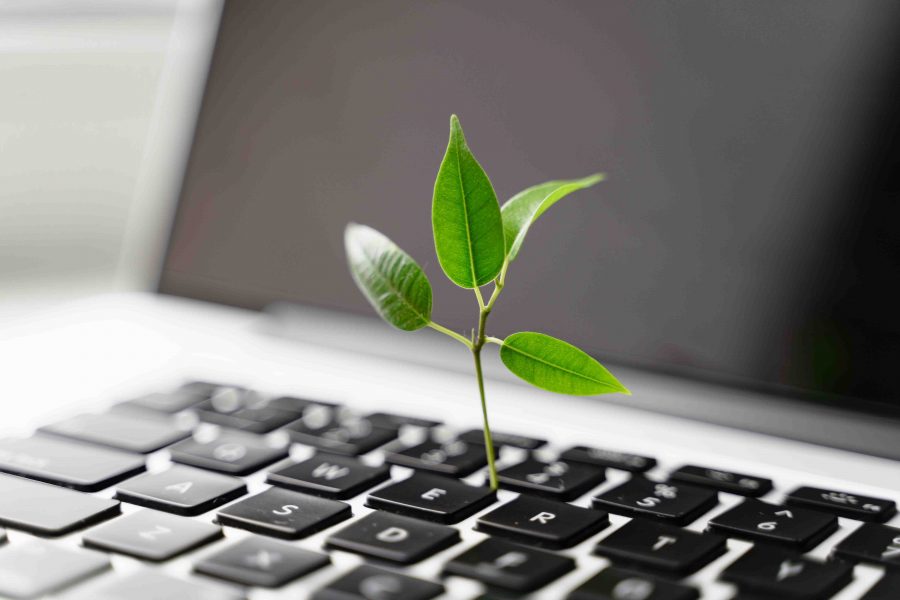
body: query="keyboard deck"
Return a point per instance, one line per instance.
(218, 492)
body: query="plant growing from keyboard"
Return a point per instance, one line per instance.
(476, 240)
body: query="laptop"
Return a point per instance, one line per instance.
(251, 430)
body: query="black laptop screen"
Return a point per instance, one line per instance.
(749, 230)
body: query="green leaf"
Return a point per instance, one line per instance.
(523, 209)
(391, 281)
(557, 366)
(465, 215)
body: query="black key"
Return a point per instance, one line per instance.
(601, 457)
(559, 479)
(324, 428)
(500, 439)
(661, 547)
(371, 583)
(37, 568)
(885, 589)
(263, 562)
(509, 566)
(151, 535)
(72, 464)
(543, 522)
(394, 421)
(254, 420)
(330, 476)
(724, 481)
(165, 402)
(878, 544)
(760, 521)
(296, 405)
(285, 514)
(454, 458)
(676, 504)
(125, 431)
(181, 490)
(781, 574)
(620, 584)
(235, 454)
(228, 399)
(393, 537)
(432, 497)
(47, 509)
(842, 504)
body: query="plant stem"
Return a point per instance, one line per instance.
(488, 440)
(478, 341)
(451, 333)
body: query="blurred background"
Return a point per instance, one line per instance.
(96, 113)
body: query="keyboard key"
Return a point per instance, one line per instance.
(885, 589)
(559, 479)
(543, 522)
(498, 563)
(151, 535)
(228, 399)
(71, 464)
(675, 504)
(878, 544)
(759, 521)
(432, 497)
(234, 454)
(371, 583)
(331, 476)
(724, 481)
(454, 458)
(263, 562)
(500, 439)
(2, 536)
(125, 431)
(164, 402)
(254, 420)
(620, 584)
(152, 584)
(285, 514)
(325, 428)
(661, 547)
(842, 504)
(36, 568)
(394, 538)
(781, 574)
(394, 421)
(181, 490)
(47, 509)
(296, 405)
(601, 457)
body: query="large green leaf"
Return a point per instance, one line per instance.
(465, 215)
(523, 209)
(390, 280)
(555, 365)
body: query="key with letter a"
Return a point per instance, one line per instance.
(181, 490)
(331, 476)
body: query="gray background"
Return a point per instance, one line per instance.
(731, 134)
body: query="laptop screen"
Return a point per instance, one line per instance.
(748, 231)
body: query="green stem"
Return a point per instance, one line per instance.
(488, 440)
(451, 333)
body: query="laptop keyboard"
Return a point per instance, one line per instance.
(236, 485)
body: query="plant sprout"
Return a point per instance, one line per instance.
(476, 240)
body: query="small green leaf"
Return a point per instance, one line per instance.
(391, 281)
(465, 215)
(557, 366)
(523, 209)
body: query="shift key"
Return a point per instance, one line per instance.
(79, 466)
